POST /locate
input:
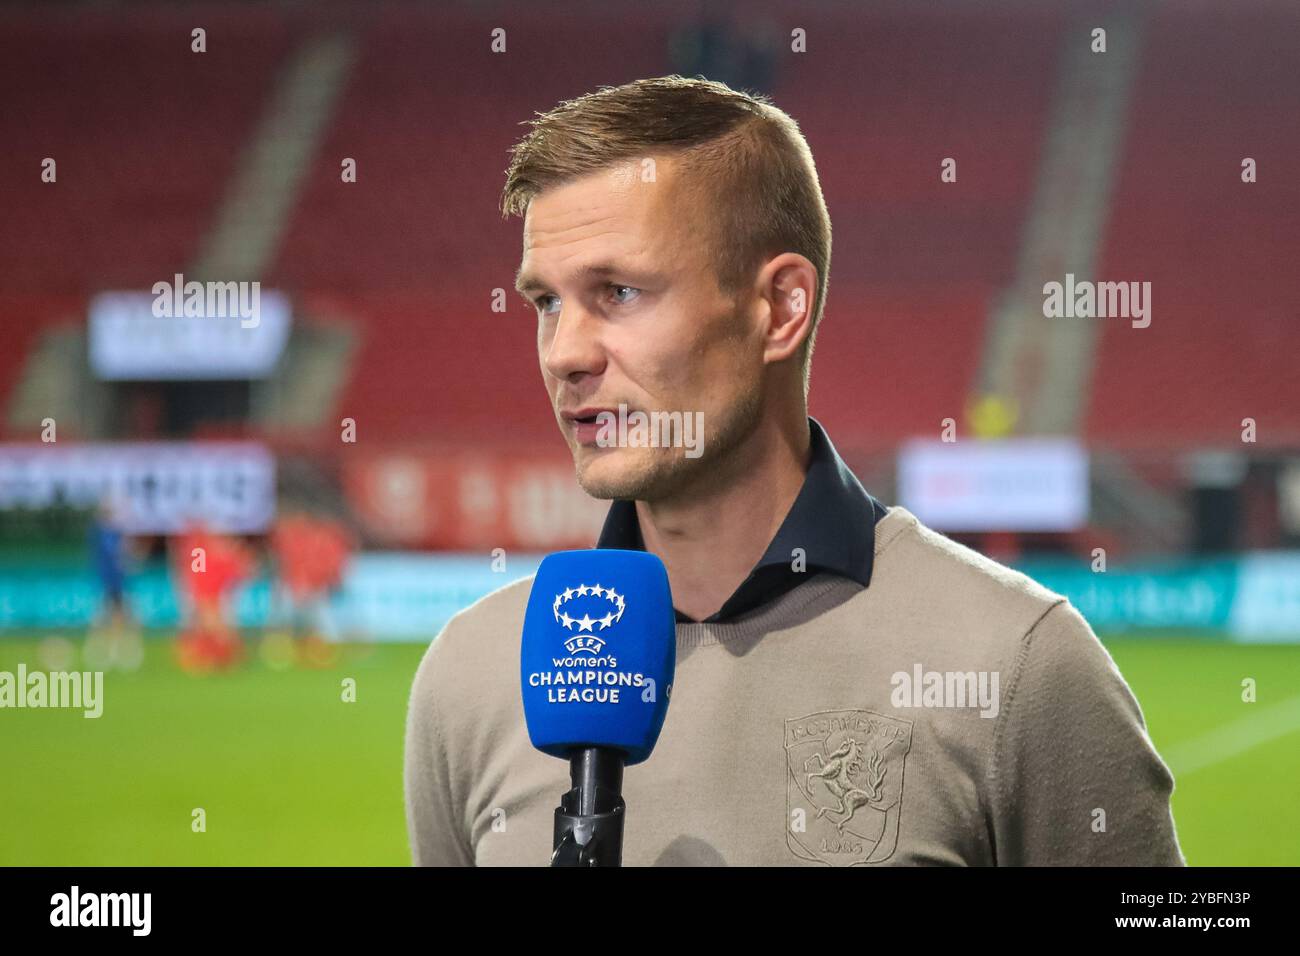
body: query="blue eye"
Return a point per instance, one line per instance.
(548, 304)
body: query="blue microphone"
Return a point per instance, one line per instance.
(596, 670)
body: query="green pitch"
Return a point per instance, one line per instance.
(287, 773)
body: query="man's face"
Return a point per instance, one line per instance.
(630, 312)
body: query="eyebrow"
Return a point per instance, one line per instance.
(530, 283)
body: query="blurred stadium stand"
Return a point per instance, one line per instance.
(228, 164)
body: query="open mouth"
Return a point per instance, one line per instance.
(584, 416)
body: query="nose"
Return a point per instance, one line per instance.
(572, 348)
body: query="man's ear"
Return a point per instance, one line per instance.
(788, 283)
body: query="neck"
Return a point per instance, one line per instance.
(712, 534)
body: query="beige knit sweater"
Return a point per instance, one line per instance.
(953, 712)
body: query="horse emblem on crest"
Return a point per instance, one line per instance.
(845, 785)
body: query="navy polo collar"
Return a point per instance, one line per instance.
(833, 520)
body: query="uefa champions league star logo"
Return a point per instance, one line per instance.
(588, 625)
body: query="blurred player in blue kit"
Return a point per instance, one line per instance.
(114, 638)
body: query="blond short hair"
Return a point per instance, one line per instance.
(743, 157)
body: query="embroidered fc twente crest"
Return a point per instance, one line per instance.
(844, 785)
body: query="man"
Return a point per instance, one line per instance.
(677, 249)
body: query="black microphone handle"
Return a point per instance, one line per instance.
(589, 819)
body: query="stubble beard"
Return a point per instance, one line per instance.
(658, 474)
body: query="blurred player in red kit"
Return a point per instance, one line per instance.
(208, 567)
(311, 554)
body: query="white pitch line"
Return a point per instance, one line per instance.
(1235, 738)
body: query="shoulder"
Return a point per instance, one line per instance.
(922, 573)
(952, 570)
(473, 663)
(1035, 633)
(488, 626)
